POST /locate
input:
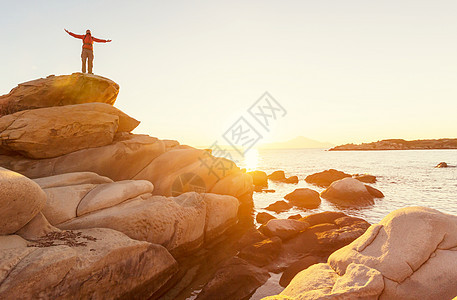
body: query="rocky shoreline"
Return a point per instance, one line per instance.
(399, 144)
(111, 214)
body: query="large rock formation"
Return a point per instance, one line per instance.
(410, 254)
(348, 192)
(90, 263)
(53, 90)
(54, 131)
(21, 199)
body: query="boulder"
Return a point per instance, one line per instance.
(68, 179)
(374, 192)
(21, 199)
(55, 131)
(110, 194)
(235, 279)
(62, 202)
(251, 236)
(348, 192)
(259, 178)
(124, 159)
(292, 179)
(279, 206)
(323, 217)
(221, 214)
(325, 178)
(319, 281)
(304, 197)
(277, 176)
(263, 217)
(283, 228)
(442, 165)
(366, 178)
(177, 223)
(88, 264)
(295, 217)
(297, 267)
(263, 252)
(76, 88)
(412, 268)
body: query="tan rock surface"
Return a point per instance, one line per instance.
(110, 194)
(55, 131)
(21, 199)
(62, 202)
(76, 88)
(67, 179)
(86, 264)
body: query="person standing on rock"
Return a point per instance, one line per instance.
(87, 53)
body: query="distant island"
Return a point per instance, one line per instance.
(297, 143)
(399, 144)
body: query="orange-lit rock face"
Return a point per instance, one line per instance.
(76, 88)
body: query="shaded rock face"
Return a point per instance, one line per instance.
(389, 261)
(259, 178)
(325, 178)
(374, 192)
(296, 267)
(348, 192)
(71, 89)
(84, 264)
(55, 131)
(236, 279)
(292, 179)
(304, 197)
(263, 252)
(21, 199)
(328, 232)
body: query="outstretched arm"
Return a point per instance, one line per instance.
(78, 36)
(100, 40)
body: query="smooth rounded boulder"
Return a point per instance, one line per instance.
(348, 192)
(55, 131)
(259, 178)
(304, 197)
(21, 199)
(76, 88)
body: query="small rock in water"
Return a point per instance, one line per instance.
(366, 178)
(292, 179)
(295, 217)
(325, 178)
(277, 176)
(283, 228)
(263, 217)
(304, 197)
(442, 165)
(348, 192)
(374, 192)
(279, 206)
(259, 178)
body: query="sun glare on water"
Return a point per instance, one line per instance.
(251, 159)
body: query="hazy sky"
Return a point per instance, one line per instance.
(345, 71)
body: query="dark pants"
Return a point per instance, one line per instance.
(87, 55)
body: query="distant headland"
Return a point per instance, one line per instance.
(400, 144)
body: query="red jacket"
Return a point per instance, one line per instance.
(88, 40)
